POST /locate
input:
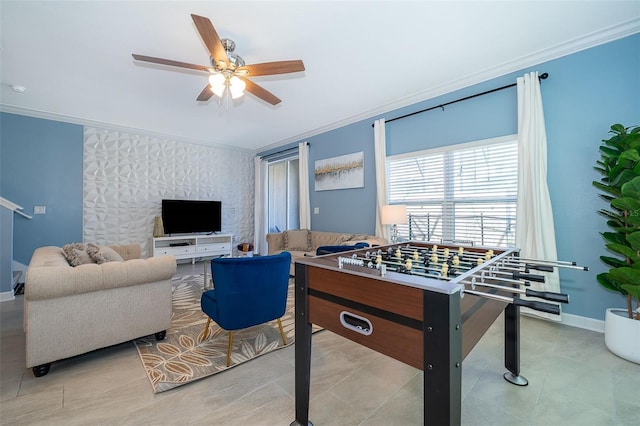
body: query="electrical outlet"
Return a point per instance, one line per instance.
(39, 209)
(316, 210)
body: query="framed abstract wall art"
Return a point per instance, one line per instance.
(343, 172)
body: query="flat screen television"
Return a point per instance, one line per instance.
(191, 216)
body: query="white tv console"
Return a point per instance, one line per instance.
(193, 246)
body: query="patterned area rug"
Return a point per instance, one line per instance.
(183, 357)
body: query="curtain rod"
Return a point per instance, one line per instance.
(273, 154)
(542, 76)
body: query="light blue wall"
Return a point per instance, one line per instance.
(585, 93)
(42, 165)
(588, 92)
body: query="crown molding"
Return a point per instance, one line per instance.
(576, 45)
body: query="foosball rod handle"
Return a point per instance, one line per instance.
(541, 268)
(538, 306)
(528, 277)
(548, 295)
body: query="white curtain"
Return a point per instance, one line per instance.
(303, 171)
(535, 234)
(380, 150)
(260, 213)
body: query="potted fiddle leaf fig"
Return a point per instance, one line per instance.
(619, 166)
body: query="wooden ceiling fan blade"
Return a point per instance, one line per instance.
(170, 62)
(206, 93)
(210, 38)
(260, 92)
(271, 68)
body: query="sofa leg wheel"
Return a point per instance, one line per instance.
(41, 370)
(161, 334)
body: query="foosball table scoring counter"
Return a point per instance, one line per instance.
(423, 304)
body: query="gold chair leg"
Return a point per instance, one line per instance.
(284, 339)
(229, 348)
(205, 333)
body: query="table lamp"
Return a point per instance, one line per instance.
(394, 215)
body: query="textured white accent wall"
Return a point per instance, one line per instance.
(126, 176)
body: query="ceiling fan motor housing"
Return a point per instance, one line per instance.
(235, 61)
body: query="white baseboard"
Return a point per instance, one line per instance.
(17, 266)
(573, 321)
(7, 296)
(583, 322)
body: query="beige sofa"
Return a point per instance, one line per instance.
(73, 310)
(304, 243)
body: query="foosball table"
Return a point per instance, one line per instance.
(421, 303)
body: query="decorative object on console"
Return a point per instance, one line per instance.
(395, 215)
(245, 249)
(158, 227)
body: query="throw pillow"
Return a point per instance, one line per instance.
(76, 254)
(110, 254)
(297, 240)
(102, 254)
(94, 252)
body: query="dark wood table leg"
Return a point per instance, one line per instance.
(442, 358)
(302, 348)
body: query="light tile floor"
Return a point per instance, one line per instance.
(573, 380)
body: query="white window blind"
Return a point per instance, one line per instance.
(461, 193)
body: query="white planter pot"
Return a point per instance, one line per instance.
(622, 334)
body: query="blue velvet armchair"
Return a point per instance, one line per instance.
(247, 291)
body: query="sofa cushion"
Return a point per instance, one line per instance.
(102, 254)
(298, 240)
(76, 254)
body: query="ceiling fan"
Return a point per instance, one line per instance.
(228, 70)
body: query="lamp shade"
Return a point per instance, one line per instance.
(394, 214)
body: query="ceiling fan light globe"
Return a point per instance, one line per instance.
(236, 86)
(237, 83)
(235, 94)
(216, 79)
(217, 82)
(218, 91)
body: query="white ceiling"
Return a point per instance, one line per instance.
(361, 57)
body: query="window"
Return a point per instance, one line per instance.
(283, 195)
(462, 193)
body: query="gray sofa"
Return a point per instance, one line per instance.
(73, 310)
